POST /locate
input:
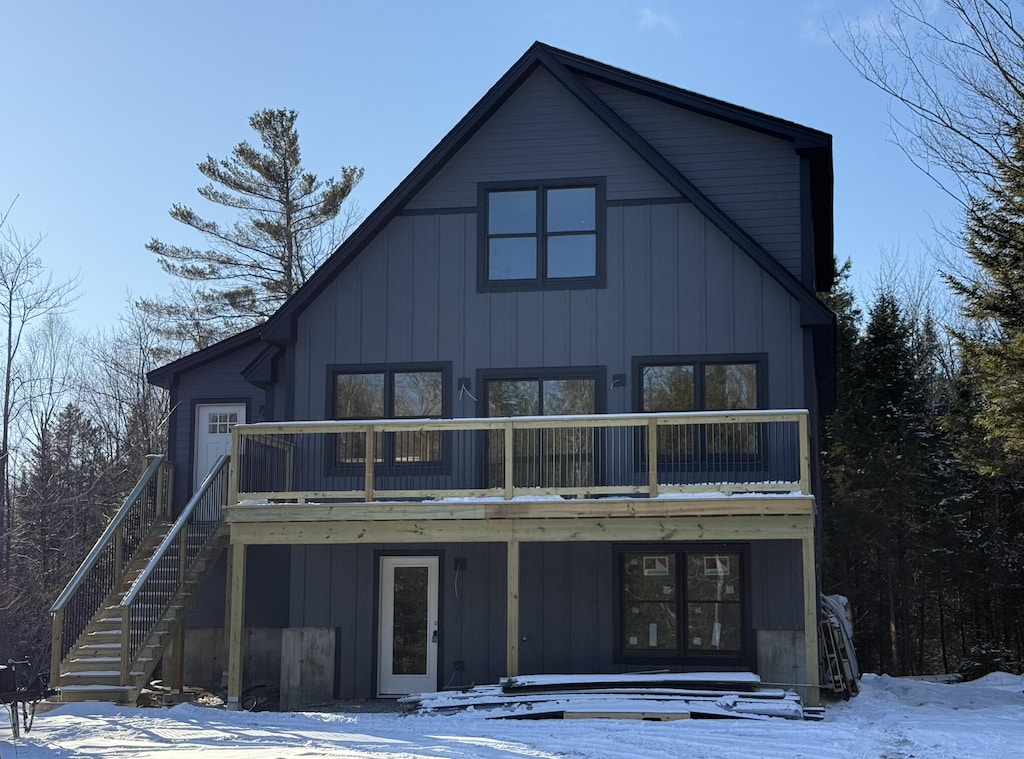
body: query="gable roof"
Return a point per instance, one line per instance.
(568, 69)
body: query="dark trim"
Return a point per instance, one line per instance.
(458, 211)
(747, 657)
(699, 361)
(280, 326)
(445, 367)
(388, 466)
(262, 370)
(680, 183)
(645, 202)
(693, 101)
(807, 262)
(541, 282)
(166, 375)
(596, 373)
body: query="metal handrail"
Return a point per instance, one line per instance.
(108, 534)
(176, 529)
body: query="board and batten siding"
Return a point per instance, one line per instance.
(219, 381)
(567, 607)
(675, 286)
(541, 132)
(336, 586)
(753, 177)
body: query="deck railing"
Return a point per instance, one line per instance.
(146, 601)
(98, 576)
(514, 457)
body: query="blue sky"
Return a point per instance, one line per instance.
(109, 106)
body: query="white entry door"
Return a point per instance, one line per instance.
(407, 642)
(213, 435)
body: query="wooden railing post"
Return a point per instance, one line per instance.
(370, 453)
(167, 473)
(119, 550)
(234, 466)
(56, 647)
(509, 462)
(126, 630)
(805, 454)
(652, 457)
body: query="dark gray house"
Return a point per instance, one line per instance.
(552, 408)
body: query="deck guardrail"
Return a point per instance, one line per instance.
(643, 455)
(98, 576)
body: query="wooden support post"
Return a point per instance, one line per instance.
(811, 603)
(229, 556)
(236, 626)
(512, 624)
(178, 655)
(652, 457)
(509, 462)
(56, 646)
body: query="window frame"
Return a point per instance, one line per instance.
(683, 655)
(699, 363)
(541, 281)
(597, 374)
(388, 464)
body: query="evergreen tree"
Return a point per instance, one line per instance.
(884, 479)
(284, 230)
(993, 301)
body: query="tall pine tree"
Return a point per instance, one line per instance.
(284, 230)
(993, 301)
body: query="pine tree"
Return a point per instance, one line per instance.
(283, 231)
(883, 477)
(993, 301)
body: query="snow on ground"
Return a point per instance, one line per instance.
(892, 718)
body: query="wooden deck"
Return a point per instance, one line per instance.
(726, 477)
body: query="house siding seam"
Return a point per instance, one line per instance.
(410, 298)
(753, 178)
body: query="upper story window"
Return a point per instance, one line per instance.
(542, 236)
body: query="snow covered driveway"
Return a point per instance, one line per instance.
(892, 718)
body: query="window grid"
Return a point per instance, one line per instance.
(546, 235)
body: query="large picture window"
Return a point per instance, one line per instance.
(682, 605)
(390, 393)
(560, 456)
(544, 235)
(669, 384)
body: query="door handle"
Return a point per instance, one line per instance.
(433, 636)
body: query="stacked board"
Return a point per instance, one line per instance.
(656, 697)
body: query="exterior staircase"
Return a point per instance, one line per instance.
(122, 609)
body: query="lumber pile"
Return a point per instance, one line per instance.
(655, 697)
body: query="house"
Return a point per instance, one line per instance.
(553, 407)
